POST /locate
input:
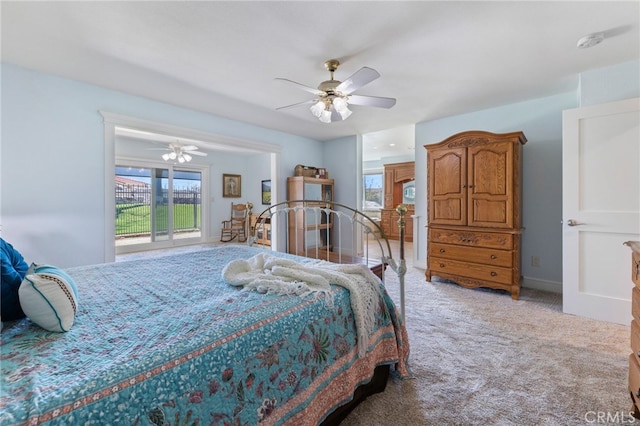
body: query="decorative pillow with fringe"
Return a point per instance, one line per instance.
(49, 297)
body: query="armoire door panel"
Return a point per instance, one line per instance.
(490, 170)
(490, 177)
(448, 174)
(489, 173)
(447, 186)
(448, 211)
(491, 213)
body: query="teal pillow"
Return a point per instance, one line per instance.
(13, 271)
(49, 297)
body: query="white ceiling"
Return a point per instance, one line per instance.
(437, 58)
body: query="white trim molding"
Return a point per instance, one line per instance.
(544, 285)
(213, 141)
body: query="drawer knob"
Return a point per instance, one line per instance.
(442, 265)
(442, 250)
(493, 256)
(493, 274)
(638, 393)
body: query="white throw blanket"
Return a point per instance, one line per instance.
(266, 273)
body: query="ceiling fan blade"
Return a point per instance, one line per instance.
(202, 154)
(302, 86)
(189, 148)
(298, 104)
(374, 101)
(364, 75)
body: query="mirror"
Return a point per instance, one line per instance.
(408, 192)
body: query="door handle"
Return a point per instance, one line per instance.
(572, 222)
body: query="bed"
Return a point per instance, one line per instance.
(167, 341)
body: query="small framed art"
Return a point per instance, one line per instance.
(231, 186)
(266, 192)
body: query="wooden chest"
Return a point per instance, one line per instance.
(634, 358)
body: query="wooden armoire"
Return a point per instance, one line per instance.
(474, 193)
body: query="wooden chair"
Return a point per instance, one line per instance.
(236, 226)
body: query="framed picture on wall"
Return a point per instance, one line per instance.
(266, 192)
(231, 186)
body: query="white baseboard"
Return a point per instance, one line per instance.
(544, 285)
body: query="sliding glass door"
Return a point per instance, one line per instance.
(156, 207)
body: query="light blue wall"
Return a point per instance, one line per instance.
(610, 84)
(259, 166)
(52, 161)
(541, 122)
(341, 161)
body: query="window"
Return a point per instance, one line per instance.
(156, 204)
(372, 190)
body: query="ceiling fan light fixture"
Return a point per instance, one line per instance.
(340, 104)
(181, 153)
(317, 108)
(345, 113)
(342, 107)
(335, 95)
(325, 116)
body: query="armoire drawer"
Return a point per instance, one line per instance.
(472, 254)
(470, 270)
(472, 238)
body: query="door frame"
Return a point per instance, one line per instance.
(213, 141)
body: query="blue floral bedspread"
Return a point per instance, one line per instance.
(165, 341)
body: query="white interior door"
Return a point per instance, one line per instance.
(601, 208)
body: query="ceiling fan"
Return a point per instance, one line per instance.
(182, 153)
(333, 97)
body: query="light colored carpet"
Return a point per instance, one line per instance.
(480, 358)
